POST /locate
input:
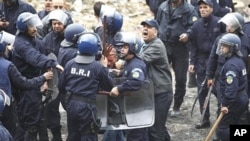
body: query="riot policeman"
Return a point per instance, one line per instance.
(80, 82)
(30, 62)
(135, 73)
(11, 79)
(234, 22)
(233, 84)
(112, 22)
(68, 48)
(58, 21)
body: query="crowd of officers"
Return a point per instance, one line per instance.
(52, 60)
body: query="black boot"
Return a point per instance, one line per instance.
(204, 124)
(192, 80)
(56, 133)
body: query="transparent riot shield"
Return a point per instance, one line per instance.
(130, 110)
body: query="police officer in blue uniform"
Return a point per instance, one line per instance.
(202, 36)
(233, 84)
(112, 22)
(176, 17)
(80, 82)
(68, 49)
(135, 73)
(30, 62)
(47, 28)
(58, 20)
(11, 79)
(4, 133)
(234, 22)
(11, 9)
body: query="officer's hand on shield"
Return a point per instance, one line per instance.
(114, 92)
(44, 87)
(48, 75)
(59, 68)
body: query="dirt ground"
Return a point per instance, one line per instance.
(181, 128)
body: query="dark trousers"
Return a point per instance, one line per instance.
(178, 57)
(158, 132)
(79, 118)
(29, 114)
(235, 111)
(53, 114)
(9, 119)
(140, 134)
(203, 90)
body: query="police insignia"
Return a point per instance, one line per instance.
(194, 18)
(230, 79)
(135, 74)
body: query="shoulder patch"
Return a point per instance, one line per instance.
(136, 72)
(230, 77)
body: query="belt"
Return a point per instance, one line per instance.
(83, 99)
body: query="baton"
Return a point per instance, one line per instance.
(197, 97)
(107, 93)
(211, 132)
(207, 100)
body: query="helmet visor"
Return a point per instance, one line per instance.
(33, 21)
(231, 48)
(231, 21)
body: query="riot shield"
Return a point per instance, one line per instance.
(52, 92)
(130, 110)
